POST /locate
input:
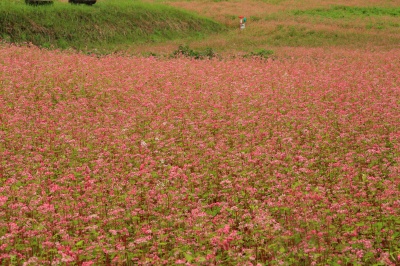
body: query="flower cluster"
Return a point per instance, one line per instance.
(118, 160)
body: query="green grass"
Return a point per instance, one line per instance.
(297, 35)
(361, 19)
(331, 26)
(339, 12)
(129, 25)
(105, 25)
(285, 34)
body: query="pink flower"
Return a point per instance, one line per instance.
(238, 158)
(3, 200)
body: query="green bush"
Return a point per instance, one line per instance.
(184, 50)
(262, 54)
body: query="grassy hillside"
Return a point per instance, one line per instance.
(279, 24)
(161, 26)
(106, 25)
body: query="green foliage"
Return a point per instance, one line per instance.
(337, 12)
(255, 18)
(39, 2)
(104, 25)
(302, 36)
(296, 35)
(261, 53)
(184, 50)
(333, 26)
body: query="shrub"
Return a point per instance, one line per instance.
(262, 53)
(185, 51)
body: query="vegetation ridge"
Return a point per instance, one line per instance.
(102, 26)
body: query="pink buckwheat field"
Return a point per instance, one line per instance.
(118, 160)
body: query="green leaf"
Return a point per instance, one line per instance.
(368, 255)
(297, 238)
(80, 243)
(395, 235)
(379, 226)
(188, 257)
(364, 177)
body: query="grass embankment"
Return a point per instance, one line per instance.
(105, 26)
(324, 27)
(145, 28)
(279, 24)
